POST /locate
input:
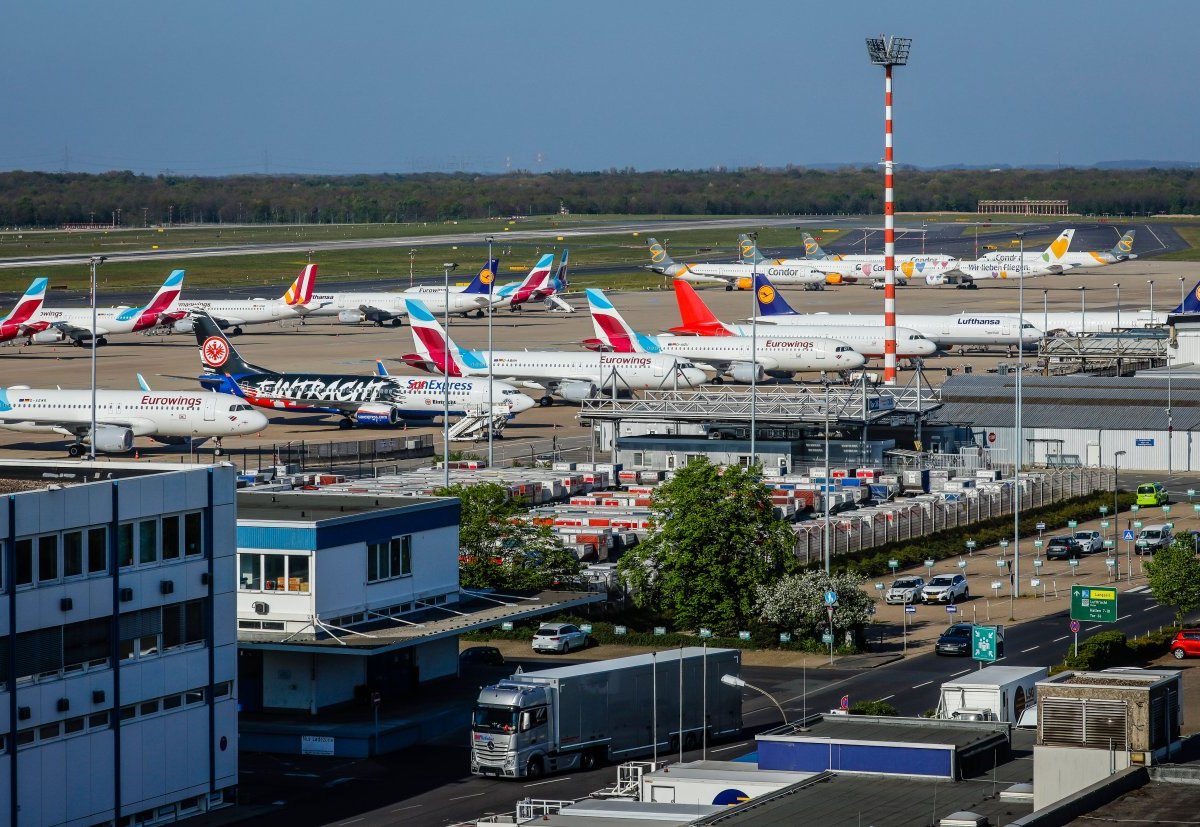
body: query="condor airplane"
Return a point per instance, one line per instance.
(778, 354)
(237, 313)
(381, 308)
(699, 320)
(1121, 251)
(733, 275)
(572, 376)
(169, 417)
(855, 268)
(1008, 264)
(359, 400)
(17, 322)
(74, 324)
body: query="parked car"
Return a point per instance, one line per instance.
(905, 590)
(559, 637)
(1152, 538)
(1186, 644)
(946, 588)
(481, 656)
(1152, 493)
(956, 640)
(1089, 542)
(1063, 548)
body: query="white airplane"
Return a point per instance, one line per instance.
(237, 313)
(169, 417)
(739, 276)
(1105, 321)
(1121, 251)
(741, 357)
(698, 320)
(1008, 264)
(873, 266)
(74, 324)
(381, 308)
(17, 322)
(572, 376)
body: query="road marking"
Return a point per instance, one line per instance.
(337, 781)
(1030, 649)
(409, 807)
(731, 746)
(1126, 617)
(1149, 608)
(918, 686)
(549, 781)
(352, 821)
(956, 674)
(1097, 626)
(888, 698)
(461, 797)
(1057, 639)
(301, 775)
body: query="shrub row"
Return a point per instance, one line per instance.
(1116, 649)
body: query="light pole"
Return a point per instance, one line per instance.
(412, 256)
(1180, 298)
(1045, 313)
(1082, 309)
(1116, 519)
(491, 410)
(1117, 285)
(734, 680)
(888, 52)
(1151, 283)
(446, 268)
(1020, 432)
(95, 261)
(753, 356)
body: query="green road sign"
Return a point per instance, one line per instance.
(1104, 523)
(1037, 543)
(983, 643)
(1072, 523)
(1135, 508)
(785, 637)
(1097, 604)
(827, 638)
(1103, 509)
(1166, 509)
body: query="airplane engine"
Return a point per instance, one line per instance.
(833, 278)
(183, 326)
(50, 336)
(376, 415)
(352, 316)
(112, 439)
(934, 279)
(746, 372)
(576, 391)
(744, 284)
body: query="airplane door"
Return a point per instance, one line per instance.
(210, 407)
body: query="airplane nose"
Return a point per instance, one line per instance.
(694, 376)
(854, 359)
(523, 402)
(256, 422)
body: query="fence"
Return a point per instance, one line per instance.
(908, 519)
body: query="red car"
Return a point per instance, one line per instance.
(1186, 644)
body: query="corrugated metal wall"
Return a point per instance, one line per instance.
(1144, 450)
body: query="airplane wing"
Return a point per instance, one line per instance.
(376, 314)
(136, 425)
(73, 331)
(556, 301)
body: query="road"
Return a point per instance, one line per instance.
(426, 787)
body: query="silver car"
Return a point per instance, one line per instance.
(904, 590)
(1089, 542)
(946, 588)
(559, 637)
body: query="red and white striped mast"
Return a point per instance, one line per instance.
(888, 52)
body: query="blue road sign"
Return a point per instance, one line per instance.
(951, 609)
(830, 597)
(1128, 535)
(910, 610)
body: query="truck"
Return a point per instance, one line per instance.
(579, 716)
(996, 693)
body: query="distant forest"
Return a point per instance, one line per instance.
(53, 199)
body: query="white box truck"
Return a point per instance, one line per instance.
(996, 693)
(576, 717)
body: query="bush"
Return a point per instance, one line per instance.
(874, 708)
(1109, 649)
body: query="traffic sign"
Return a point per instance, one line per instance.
(1094, 604)
(1040, 526)
(1037, 543)
(1075, 626)
(1104, 524)
(951, 609)
(1135, 507)
(1137, 523)
(910, 610)
(1103, 510)
(893, 564)
(983, 643)
(1166, 509)
(1072, 523)
(827, 638)
(1037, 564)
(962, 564)
(844, 703)
(1128, 535)
(830, 597)
(970, 544)
(785, 637)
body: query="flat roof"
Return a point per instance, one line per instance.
(992, 675)
(315, 506)
(18, 476)
(1131, 678)
(664, 656)
(1159, 802)
(960, 734)
(731, 771)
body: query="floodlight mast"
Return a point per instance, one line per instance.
(888, 52)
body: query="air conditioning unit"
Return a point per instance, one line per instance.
(66, 604)
(166, 586)
(260, 608)
(125, 595)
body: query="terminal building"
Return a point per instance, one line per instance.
(116, 667)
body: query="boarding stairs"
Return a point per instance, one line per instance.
(473, 426)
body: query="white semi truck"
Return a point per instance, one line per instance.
(996, 693)
(576, 717)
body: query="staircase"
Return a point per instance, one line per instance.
(474, 425)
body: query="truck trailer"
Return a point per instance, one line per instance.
(576, 717)
(997, 693)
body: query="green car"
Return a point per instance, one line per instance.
(1152, 493)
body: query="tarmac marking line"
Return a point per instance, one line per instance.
(1148, 608)
(1030, 649)
(918, 686)
(1057, 639)
(458, 798)
(731, 746)
(549, 781)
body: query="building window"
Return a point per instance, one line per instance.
(639, 458)
(73, 725)
(170, 538)
(97, 550)
(125, 545)
(670, 461)
(148, 541)
(193, 534)
(389, 559)
(24, 554)
(250, 571)
(48, 558)
(72, 553)
(273, 572)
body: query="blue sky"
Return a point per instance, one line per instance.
(319, 87)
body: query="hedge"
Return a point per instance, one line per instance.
(1114, 648)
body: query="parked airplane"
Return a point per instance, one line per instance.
(862, 267)
(17, 323)
(734, 275)
(381, 308)
(1121, 251)
(1008, 264)
(572, 376)
(538, 285)
(170, 417)
(742, 358)
(699, 320)
(74, 324)
(1104, 321)
(359, 400)
(237, 313)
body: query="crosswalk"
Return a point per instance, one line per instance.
(1137, 590)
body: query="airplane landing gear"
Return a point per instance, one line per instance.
(237, 331)
(75, 450)
(217, 451)
(546, 401)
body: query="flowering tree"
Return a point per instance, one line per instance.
(796, 602)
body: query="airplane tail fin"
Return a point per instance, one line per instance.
(694, 314)
(380, 368)
(217, 353)
(1191, 302)
(659, 260)
(612, 331)
(301, 291)
(166, 297)
(770, 302)
(484, 279)
(559, 282)
(1058, 247)
(812, 249)
(436, 352)
(534, 279)
(1124, 248)
(29, 303)
(748, 250)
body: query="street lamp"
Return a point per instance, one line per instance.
(446, 268)
(1117, 285)
(491, 307)
(95, 261)
(1116, 510)
(1151, 283)
(734, 680)
(753, 355)
(1019, 431)
(1082, 309)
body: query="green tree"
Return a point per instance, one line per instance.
(1174, 576)
(501, 548)
(716, 537)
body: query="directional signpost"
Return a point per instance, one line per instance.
(1092, 604)
(970, 547)
(830, 602)
(983, 644)
(908, 610)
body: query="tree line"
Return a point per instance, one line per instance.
(39, 199)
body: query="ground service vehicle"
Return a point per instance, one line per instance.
(575, 717)
(1186, 644)
(994, 693)
(1152, 538)
(1152, 493)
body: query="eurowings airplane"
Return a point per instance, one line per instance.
(389, 308)
(775, 353)
(74, 324)
(698, 320)
(873, 266)
(167, 416)
(18, 321)
(538, 285)
(572, 376)
(733, 276)
(357, 399)
(1008, 264)
(237, 313)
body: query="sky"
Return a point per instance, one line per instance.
(295, 86)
